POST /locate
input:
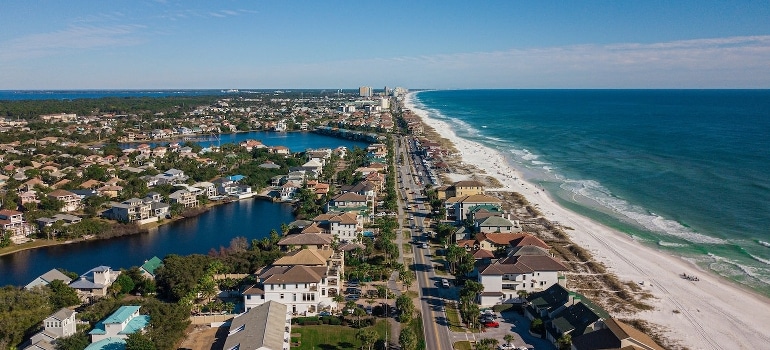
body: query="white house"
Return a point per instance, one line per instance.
(305, 280)
(60, 324)
(504, 279)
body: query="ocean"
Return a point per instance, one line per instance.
(685, 171)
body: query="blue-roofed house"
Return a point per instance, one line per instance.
(124, 321)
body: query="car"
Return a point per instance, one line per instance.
(368, 309)
(429, 268)
(424, 245)
(491, 324)
(444, 283)
(352, 297)
(352, 290)
(324, 314)
(506, 346)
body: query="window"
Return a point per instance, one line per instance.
(294, 297)
(272, 287)
(281, 295)
(323, 291)
(248, 297)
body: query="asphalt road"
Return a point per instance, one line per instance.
(434, 321)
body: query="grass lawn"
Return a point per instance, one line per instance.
(29, 245)
(453, 316)
(462, 345)
(407, 234)
(329, 337)
(407, 248)
(416, 326)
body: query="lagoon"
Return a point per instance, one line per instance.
(250, 218)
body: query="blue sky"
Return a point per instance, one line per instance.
(143, 44)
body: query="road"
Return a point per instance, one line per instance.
(435, 326)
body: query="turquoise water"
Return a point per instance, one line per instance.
(683, 170)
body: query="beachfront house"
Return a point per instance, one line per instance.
(58, 325)
(614, 334)
(309, 240)
(504, 279)
(458, 207)
(263, 327)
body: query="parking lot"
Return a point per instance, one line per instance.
(510, 322)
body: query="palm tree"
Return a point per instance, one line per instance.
(338, 299)
(509, 338)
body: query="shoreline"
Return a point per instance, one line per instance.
(710, 313)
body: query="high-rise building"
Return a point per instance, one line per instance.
(365, 91)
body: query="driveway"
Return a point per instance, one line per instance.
(510, 322)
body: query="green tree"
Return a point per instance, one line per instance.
(77, 341)
(487, 344)
(405, 308)
(564, 342)
(125, 283)
(5, 239)
(139, 341)
(367, 336)
(62, 295)
(179, 275)
(509, 338)
(407, 340)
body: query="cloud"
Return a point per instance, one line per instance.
(73, 38)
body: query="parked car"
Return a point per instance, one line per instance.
(444, 283)
(324, 314)
(368, 309)
(491, 324)
(352, 297)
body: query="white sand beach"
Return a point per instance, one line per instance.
(710, 313)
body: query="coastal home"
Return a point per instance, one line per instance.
(505, 278)
(12, 220)
(28, 197)
(70, 200)
(149, 267)
(496, 224)
(47, 278)
(346, 226)
(183, 197)
(458, 207)
(132, 210)
(95, 282)
(614, 334)
(116, 328)
(60, 324)
(288, 190)
(309, 240)
(348, 202)
(303, 288)
(580, 316)
(67, 220)
(208, 189)
(313, 167)
(263, 327)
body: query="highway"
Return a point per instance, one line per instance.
(429, 285)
